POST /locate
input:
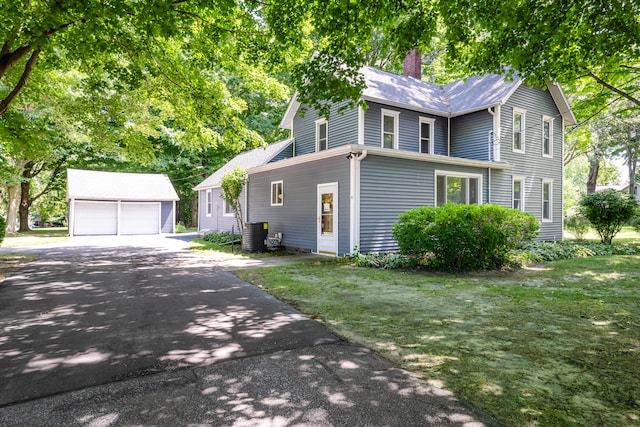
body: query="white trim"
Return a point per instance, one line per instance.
(224, 208)
(343, 150)
(550, 182)
(208, 202)
(431, 122)
(281, 202)
(396, 121)
(523, 128)
(547, 119)
(439, 172)
(523, 181)
(563, 175)
(497, 145)
(118, 217)
(173, 219)
(72, 218)
(353, 191)
(360, 125)
(562, 103)
(319, 123)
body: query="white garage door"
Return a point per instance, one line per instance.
(94, 218)
(140, 218)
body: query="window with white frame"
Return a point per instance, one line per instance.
(322, 140)
(277, 194)
(426, 135)
(518, 193)
(390, 128)
(518, 129)
(209, 202)
(457, 188)
(547, 136)
(227, 210)
(547, 197)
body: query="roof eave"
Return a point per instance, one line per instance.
(405, 106)
(292, 109)
(562, 103)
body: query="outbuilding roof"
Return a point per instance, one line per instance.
(97, 185)
(453, 99)
(249, 159)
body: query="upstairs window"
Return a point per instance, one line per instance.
(547, 193)
(390, 129)
(322, 140)
(277, 194)
(426, 135)
(459, 189)
(518, 130)
(547, 136)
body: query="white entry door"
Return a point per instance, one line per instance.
(328, 218)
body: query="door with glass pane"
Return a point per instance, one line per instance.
(327, 220)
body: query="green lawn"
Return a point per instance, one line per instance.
(626, 235)
(553, 346)
(217, 252)
(37, 236)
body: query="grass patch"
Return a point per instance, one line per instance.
(10, 262)
(554, 345)
(215, 251)
(626, 235)
(35, 237)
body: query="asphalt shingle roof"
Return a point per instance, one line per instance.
(249, 159)
(97, 185)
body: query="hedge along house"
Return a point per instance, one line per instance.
(214, 213)
(113, 203)
(349, 176)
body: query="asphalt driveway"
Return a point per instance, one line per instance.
(139, 331)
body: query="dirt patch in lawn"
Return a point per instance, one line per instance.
(11, 262)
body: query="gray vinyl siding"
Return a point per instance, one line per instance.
(408, 129)
(284, 154)
(389, 187)
(296, 218)
(470, 135)
(166, 217)
(217, 221)
(532, 164)
(342, 128)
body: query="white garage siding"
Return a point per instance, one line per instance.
(139, 218)
(95, 218)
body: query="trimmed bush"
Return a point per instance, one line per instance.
(577, 225)
(608, 211)
(222, 238)
(3, 229)
(463, 237)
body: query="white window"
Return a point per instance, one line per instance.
(518, 130)
(547, 136)
(426, 135)
(518, 193)
(547, 197)
(277, 195)
(227, 210)
(390, 129)
(322, 140)
(458, 188)
(209, 202)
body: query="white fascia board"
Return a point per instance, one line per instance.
(475, 110)
(378, 151)
(292, 109)
(562, 103)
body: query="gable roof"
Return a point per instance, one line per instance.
(248, 159)
(97, 185)
(450, 100)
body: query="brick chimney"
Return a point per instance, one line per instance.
(412, 65)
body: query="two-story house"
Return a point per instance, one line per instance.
(341, 181)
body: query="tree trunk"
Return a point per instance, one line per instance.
(194, 210)
(13, 196)
(592, 179)
(25, 204)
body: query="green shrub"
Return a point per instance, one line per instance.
(180, 228)
(463, 237)
(608, 211)
(577, 225)
(536, 252)
(221, 238)
(3, 229)
(635, 220)
(387, 261)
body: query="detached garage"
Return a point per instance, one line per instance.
(113, 203)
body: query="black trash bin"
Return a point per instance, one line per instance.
(254, 236)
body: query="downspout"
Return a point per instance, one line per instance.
(449, 136)
(491, 135)
(356, 200)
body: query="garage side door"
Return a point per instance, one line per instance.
(140, 218)
(95, 218)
